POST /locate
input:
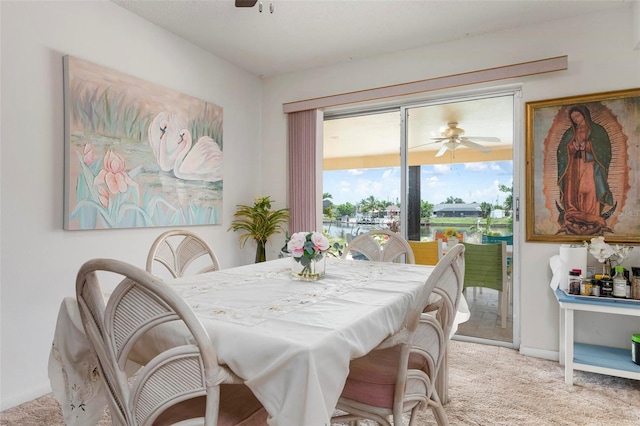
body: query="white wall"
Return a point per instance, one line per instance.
(601, 58)
(39, 259)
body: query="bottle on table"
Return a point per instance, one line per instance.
(586, 287)
(606, 286)
(620, 283)
(574, 281)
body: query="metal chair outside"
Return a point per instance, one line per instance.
(486, 266)
(426, 252)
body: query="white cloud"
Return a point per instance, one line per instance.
(483, 167)
(388, 173)
(476, 167)
(432, 181)
(355, 172)
(441, 169)
(344, 187)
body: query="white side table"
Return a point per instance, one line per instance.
(594, 358)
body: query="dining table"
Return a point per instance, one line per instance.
(291, 341)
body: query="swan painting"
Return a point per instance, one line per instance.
(202, 162)
(172, 144)
(164, 138)
(138, 154)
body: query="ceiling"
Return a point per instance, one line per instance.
(304, 34)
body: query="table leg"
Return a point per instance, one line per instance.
(561, 341)
(568, 346)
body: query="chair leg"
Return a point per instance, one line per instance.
(440, 415)
(438, 410)
(414, 415)
(442, 379)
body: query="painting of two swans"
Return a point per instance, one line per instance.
(138, 154)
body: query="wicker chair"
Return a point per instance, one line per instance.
(379, 245)
(400, 375)
(181, 253)
(181, 383)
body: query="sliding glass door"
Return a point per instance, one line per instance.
(362, 177)
(459, 160)
(441, 170)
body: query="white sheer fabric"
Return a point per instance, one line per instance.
(73, 371)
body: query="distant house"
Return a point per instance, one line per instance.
(457, 210)
(497, 214)
(392, 210)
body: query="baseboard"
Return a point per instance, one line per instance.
(33, 393)
(540, 353)
(471, 339)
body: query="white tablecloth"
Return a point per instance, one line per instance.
(73, 372)
(292, 341)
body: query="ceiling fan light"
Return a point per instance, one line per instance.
(451, 146)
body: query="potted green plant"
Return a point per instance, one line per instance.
(259, 222)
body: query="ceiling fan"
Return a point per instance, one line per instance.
(453, 139)
(246, 3)
(251, 3)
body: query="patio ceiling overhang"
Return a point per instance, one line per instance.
(373, 140)
(461, 155)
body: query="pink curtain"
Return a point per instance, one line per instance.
(305, 159)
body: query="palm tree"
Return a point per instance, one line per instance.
(369, 204)
(259, 222)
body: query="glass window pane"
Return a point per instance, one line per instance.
(361, 174)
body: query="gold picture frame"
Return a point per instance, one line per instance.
(583, 168)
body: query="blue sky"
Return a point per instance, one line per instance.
(473, 182)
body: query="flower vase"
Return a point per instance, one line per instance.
(304, 269)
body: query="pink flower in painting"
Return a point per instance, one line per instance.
(113, 174)
(88, 155)
(104, 196)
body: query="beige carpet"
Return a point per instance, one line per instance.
(489, 386)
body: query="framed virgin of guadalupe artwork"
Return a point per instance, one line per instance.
(583, 168)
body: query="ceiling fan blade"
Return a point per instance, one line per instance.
(246, 3)
(426, 143)
(442, 151)
(483, 138)
(475, 146)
